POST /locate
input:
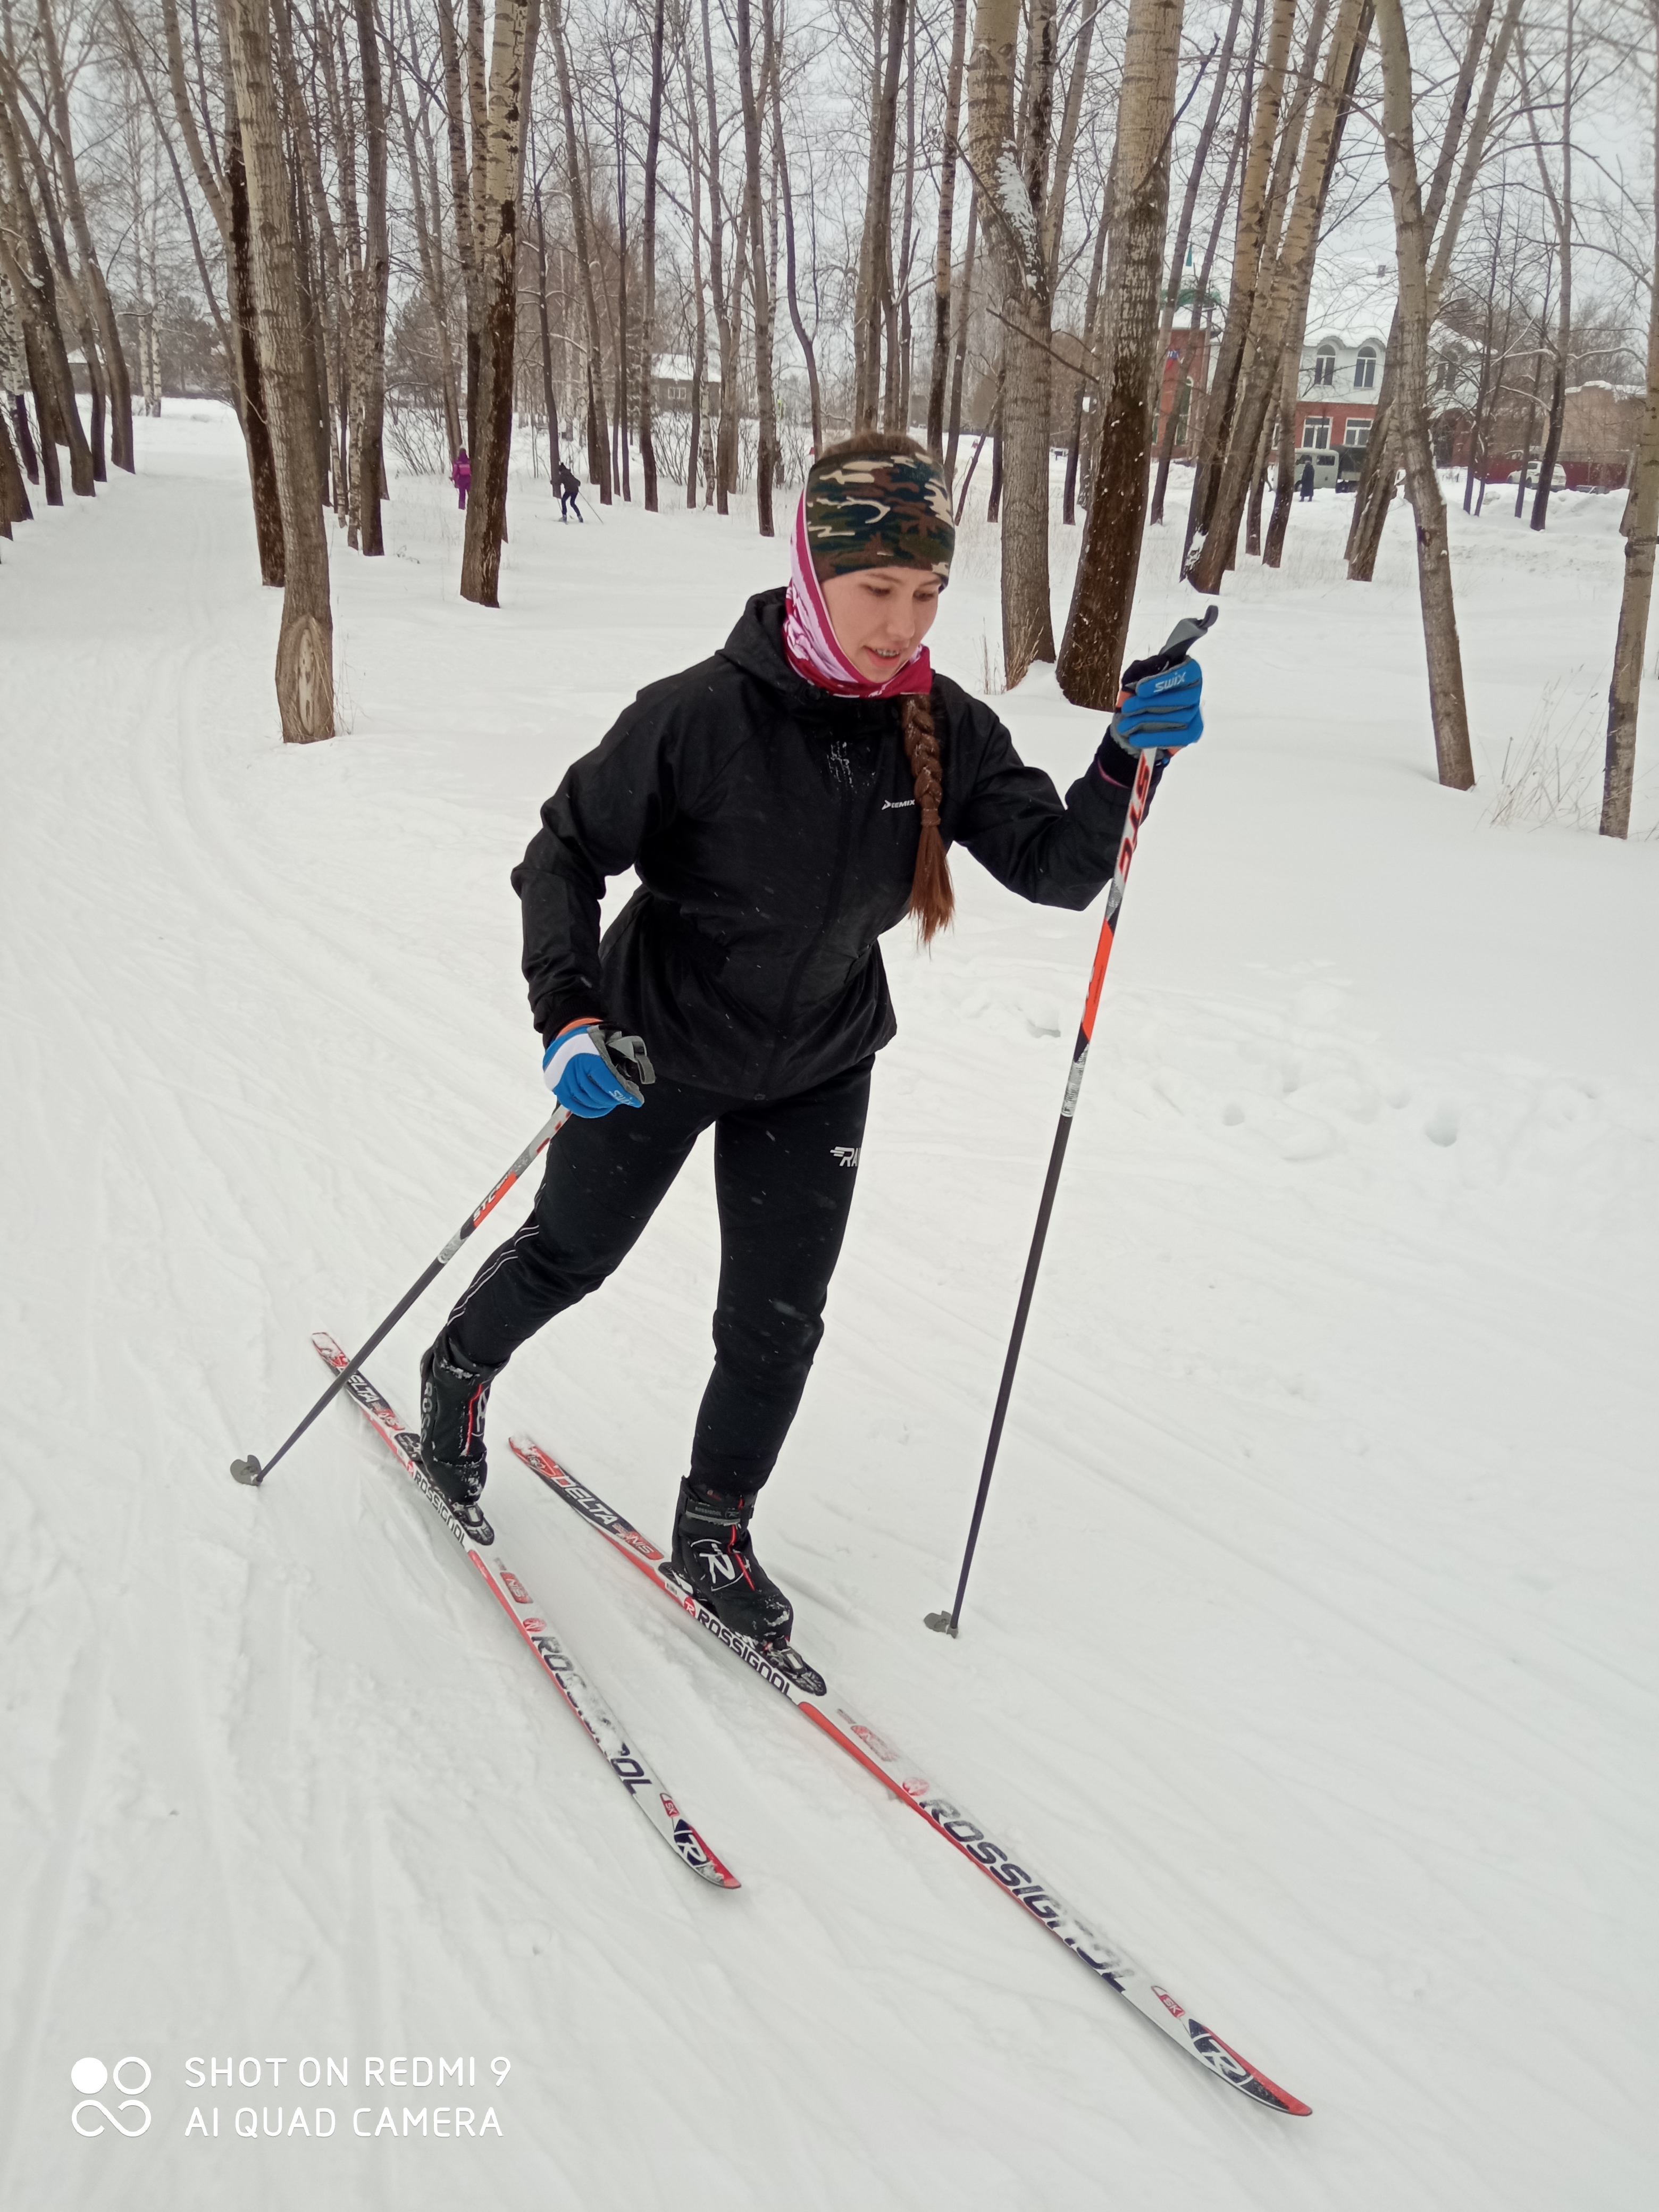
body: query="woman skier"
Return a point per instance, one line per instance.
(785, 803)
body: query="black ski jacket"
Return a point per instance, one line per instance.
(774, 828)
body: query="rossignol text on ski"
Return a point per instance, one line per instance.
(509, 1589)
(785, 1670)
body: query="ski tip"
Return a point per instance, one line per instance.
(248, 1470)
(706, 1864)
(1221, 2058)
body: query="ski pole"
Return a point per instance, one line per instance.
(1185, 635)
(252, 1470)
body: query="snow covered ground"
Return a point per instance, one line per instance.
(1310, 1648)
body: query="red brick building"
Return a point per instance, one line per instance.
(1336, 401)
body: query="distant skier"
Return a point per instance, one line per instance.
(461, 477)
(569, 487)
(1307, 483)
(784, 804)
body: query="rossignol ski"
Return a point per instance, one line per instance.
(514, 1598)
(787, 1673)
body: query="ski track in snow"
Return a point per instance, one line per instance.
(1309, 1649)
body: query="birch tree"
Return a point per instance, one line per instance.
(1374, 492)
(1639, 528)
(305, 644)
(92, 271)
(1445, 653)
(1091, 656)
(511, 64)
(1274, 309)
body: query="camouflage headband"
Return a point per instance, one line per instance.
(877, 511)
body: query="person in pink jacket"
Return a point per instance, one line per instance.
(461, 476)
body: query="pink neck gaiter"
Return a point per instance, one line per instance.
(809, 635)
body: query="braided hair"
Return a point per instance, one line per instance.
(932, 900)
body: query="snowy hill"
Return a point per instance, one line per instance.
(1309, 1649)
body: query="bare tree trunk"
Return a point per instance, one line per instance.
(477, 108)
(1258, 488)
(1196, 406)
(512, 64)
(1375, 492)
(767, 429)
(71, 294)
(350, 315)
(1087, 370)
(45, 414)
(429, 245)
(548, 403)
(310, 309)
(460, 190)
(895, 402)
(1560, 207)
(103, 309)
(1091, 655)
(599, 456)
(803, 336)
(13, 493)
(648, 310)
(1640, 526)
(226, 195)
(719, 485)
(699, 338)
(257, 426)
(377, 267)
(619, 429)
(727, 449)
(961, 310)
(36, 294)
(875, 255)
(1284, 484)
(1016, 180)
(1445, 662)
(1248, 236)
(1291, 366)
(305, 645)
(949, 156)
(1183, 231)
(1287, 284)
(19, 414)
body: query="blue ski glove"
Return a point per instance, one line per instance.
(582, 1076)
(1161, 709)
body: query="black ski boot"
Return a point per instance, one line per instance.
(453, 1395)
(712, 1550)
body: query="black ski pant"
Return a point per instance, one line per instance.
(784, 1173)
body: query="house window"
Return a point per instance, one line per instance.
(1357, 434)
(1316, 431)
(1364, 369)
(1325, 365)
